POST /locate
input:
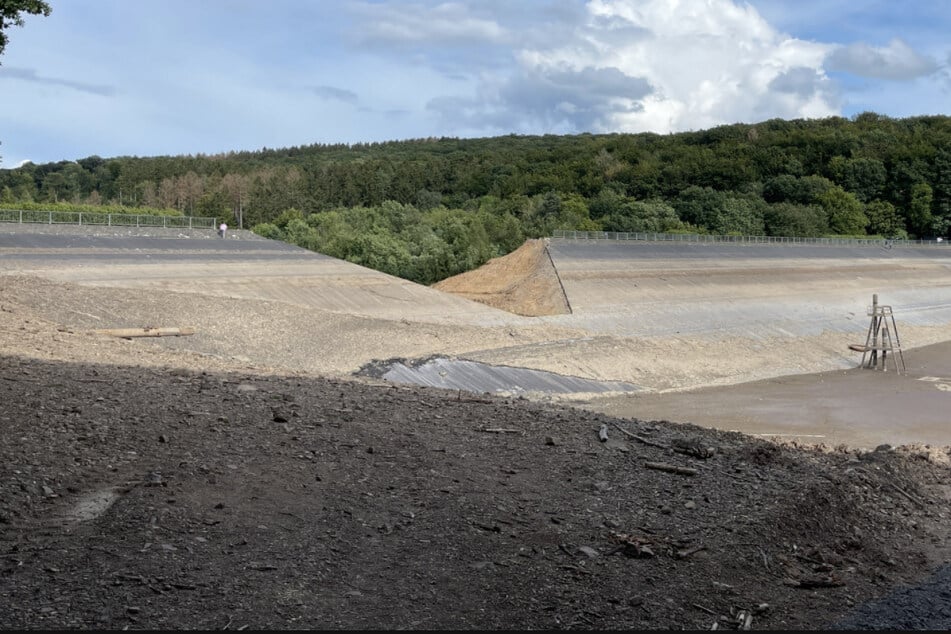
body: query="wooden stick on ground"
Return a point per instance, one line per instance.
(669, 468)
(640, 439)
(683, 554)
(906, 494)
(146, 332)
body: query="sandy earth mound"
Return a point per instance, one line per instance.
(523, 282)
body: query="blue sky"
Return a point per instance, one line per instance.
(169, 77)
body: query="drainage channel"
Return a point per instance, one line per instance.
(472, 376)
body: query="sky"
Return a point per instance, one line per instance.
(178, 77)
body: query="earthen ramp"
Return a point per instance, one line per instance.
(523, 282)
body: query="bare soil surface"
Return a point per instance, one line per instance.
(523, 282)
(145, 485)
(241, 479)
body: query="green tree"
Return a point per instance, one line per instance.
(740, 216)
(844, 211)
(11, 14)
(791, 189)
(54, 186)
(575, 215)
(883, 219)
(505, 233)
(299, 233)
(607, 202)
(22, 184)
(699, 206)
(550, 205)
(382, 251)
(919, 210)
(941, 205)
(268, 230)
(863, 177)
(652, 216)
(791, 220)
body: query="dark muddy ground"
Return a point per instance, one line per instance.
(177, 498)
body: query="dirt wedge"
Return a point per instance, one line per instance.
(523, 282)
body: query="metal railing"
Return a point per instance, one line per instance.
(23, 216)
(697, 237)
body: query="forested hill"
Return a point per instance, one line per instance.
(429, 208)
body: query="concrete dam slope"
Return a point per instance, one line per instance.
(758, 292)
(242, 266)
(604, 324)
(676, 315)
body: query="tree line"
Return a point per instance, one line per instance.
(425, 209)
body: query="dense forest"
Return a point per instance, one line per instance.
(426, 209)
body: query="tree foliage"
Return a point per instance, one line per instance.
(11, 14)
(428, 208)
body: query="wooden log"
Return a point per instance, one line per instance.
(640, 439)
(683, 554)
(149, 331)
(603, 433)
(669, 468)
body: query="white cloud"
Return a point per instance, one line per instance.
(113, 77)
(658, 65)
(896, 61)
(446, 23)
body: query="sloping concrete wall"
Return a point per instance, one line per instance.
(660, 316)
(670, 316)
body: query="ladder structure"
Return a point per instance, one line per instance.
(882, 339)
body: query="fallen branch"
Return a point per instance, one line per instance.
(499, 430)
(693, 449)
(683, 554)
(819, 581)
(669, 468)
(640, 439)
(145, 332)
(472, 399)
(906, 494)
